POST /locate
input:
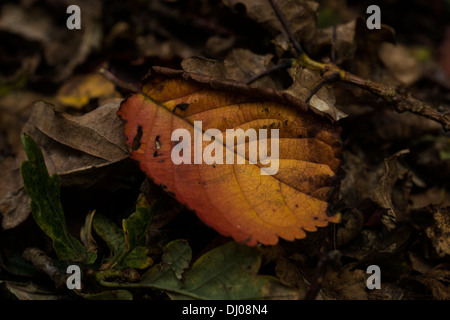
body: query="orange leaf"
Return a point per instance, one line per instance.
(237, 200)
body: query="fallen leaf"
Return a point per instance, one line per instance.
(236, 200)
(239, 64)
(31, 23)
(401, 62)
(61, 50)
(383, 191)
(344, 46)
(439, 232)
(300, 15)
(86, 233)
(79, 90)
(177, 256)
(438, 282)
(305, 80)
(348, 283)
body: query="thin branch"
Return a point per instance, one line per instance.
(332, 77)
(283, 65)
(118, 82)
(286, 27)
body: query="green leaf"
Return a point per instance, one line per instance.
(46, 206)
(128, 245)
(178, 255)
(136, 225)
(228, 272)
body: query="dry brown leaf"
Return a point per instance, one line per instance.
(71, 146)
(80, 89)
(239, 64)
(300, 14)
(346, 284)
(305, 80)
(400, 62)
(383, 191)
(439, 232)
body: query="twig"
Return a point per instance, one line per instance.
(333, 45)
(45, 264)
(283, 65)
(400, 99)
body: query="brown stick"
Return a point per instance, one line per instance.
(45, 264)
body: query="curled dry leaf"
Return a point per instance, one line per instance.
(235, 199)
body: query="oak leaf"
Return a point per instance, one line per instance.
(235, 199)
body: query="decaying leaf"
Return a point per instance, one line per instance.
(305, 80)
(401, 62)
(439, 232)
(242, 65)
(348, 283)
(344, 45)
(30, 291)
(108, 295)
(239, 64)
(236, 200)
(71, 145)
(383, 191)
(86, 233)
(79, 90)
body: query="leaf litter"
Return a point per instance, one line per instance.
(393, 205)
